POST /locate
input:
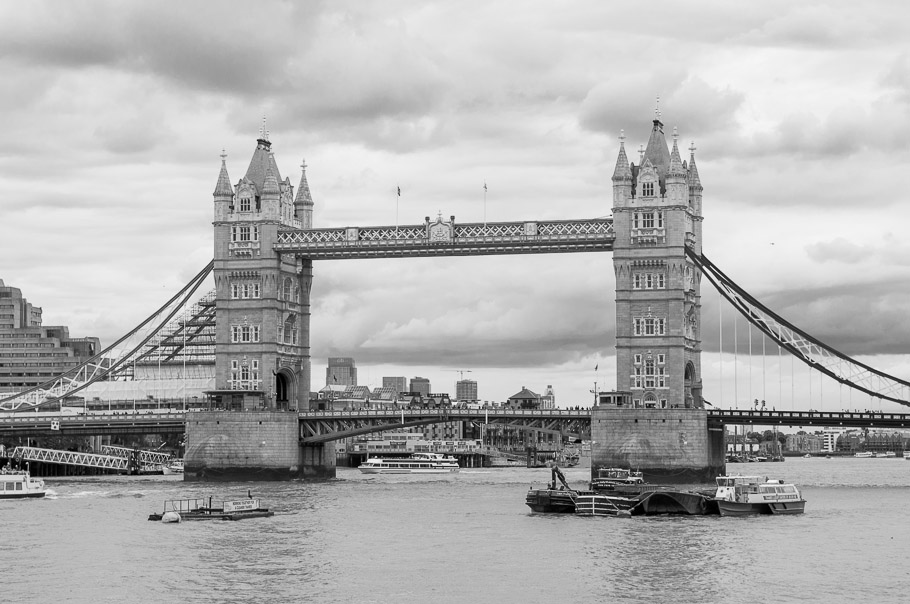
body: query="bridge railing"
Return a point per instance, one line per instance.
(455, 411)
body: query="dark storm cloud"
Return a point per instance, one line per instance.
(856, 318)
(235, 47)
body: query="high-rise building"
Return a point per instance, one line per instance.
(400, 384)
(30, 353)
(420, 385)
(466, 390)
(341, 372)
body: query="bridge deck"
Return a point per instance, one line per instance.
(330, 425)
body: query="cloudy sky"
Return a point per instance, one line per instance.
(115, 115)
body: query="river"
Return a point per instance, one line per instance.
(459, 538)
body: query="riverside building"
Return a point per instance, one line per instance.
(31, 353)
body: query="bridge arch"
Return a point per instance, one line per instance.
(285, 388)
(690, 382)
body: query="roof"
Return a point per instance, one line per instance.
(384, 394)
(260, 163)
(524, 394)
(223, 186)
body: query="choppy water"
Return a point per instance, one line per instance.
(462, 538)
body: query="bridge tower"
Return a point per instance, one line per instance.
(262, 354)
(657, 213)
(262, 339)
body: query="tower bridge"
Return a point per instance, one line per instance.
(256, 324)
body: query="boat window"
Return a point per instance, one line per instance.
(18, 486)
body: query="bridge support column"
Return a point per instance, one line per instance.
(318, 461)
(251, 445)
(676, 446)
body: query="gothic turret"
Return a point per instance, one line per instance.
(303, 204)
(675, 184)
(622, 175)
(224, 193)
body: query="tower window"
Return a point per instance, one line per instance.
(244, 204)
(647, 189)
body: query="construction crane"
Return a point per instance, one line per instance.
(460, 372)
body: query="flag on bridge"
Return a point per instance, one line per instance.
(399, 191)
(596, 366)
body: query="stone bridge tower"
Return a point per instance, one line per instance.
(262, 354)
(657, 213)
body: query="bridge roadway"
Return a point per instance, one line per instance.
(324, 426)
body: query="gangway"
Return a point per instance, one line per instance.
(129, 464)
(150, 458)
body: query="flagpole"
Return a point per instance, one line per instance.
(484, 204)
(397, 199)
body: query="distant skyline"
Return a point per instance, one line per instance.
(116, 115)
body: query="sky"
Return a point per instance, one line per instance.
(116, 114)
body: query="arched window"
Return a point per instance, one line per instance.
(287, 289)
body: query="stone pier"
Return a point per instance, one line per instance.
(674, 446)
(251, 445)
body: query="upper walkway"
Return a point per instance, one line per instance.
(449, 239)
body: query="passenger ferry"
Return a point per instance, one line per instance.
(864, 454)
(747, 495)
(19, 484)
(417, 463)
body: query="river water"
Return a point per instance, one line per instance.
(462, 538)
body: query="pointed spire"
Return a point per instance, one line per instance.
(303, 197)
(694, 180)
(676, 167)
(270, 185)
(622, 170)
(657, 150)
(223, 187)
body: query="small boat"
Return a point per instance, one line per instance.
(560, 498)
(886, 454)
(172, 467)
(417, 463)
(178, 510)
(864, 454)
(19, 484)
(748, 495)
(555, 499)
(907, 455)
(807, 456)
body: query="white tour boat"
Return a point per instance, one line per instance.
(19, 484)
(417, 463)
(747, 495)
(864, 454)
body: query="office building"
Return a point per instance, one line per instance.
(341, 372)
(398, 384)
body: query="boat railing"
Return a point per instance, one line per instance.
(183, 505)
